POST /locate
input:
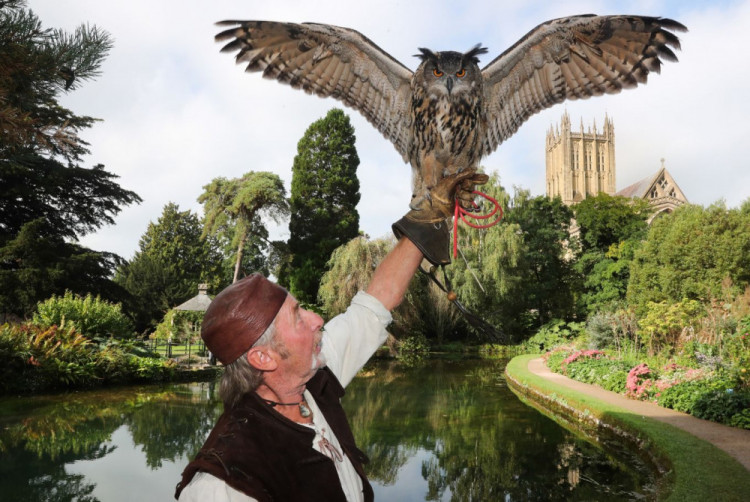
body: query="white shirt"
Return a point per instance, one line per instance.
(349, 340)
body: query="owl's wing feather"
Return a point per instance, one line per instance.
(328, 61)
(572, 58)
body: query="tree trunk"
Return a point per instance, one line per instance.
(239, 260)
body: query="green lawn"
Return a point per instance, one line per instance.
(699, 470)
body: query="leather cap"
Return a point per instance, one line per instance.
(239, 315)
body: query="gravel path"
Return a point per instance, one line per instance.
(734, 441)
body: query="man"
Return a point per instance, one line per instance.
(283, 434)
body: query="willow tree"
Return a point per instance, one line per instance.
(514, 274)
(234, 209)
(350, 270)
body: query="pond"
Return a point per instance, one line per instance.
(439, 430)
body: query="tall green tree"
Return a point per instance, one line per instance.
(605, 220)
(325, 194)
(547, 291)
(172, 259)
(48, 199)
(234, 210)
(611, 229)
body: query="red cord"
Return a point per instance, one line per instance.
(460, 212)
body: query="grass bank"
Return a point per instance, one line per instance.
(694, 470)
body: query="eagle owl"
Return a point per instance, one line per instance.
(449, 113)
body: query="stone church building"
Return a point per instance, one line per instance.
(582, 164)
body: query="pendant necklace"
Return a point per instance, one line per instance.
(303, 409)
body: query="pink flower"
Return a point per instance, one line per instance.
(636, 386)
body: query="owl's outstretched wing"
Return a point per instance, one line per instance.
(571, 58)
(328, 61)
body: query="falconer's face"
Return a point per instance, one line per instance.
(299, 332)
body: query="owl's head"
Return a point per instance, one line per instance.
(450, 73)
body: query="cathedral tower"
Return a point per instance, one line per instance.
(580, 164)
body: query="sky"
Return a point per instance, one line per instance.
(176, 113)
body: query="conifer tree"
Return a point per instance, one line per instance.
(48, 199)
(172, 260)
(325, 193)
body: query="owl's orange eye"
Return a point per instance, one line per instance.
(437, 72)
(462, 73)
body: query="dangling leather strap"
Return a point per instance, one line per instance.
(475, 321)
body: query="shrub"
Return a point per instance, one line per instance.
(413, 349)
(89, 316)
(687, 390)
(601, 331)
(553, 334)
(663, 323)
(721, 405)
(607, 373)
(682, 396)
(638, 384)
(555, 359)
(37, 359)
(741, 419)
(415, 344)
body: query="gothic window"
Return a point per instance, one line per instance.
(672, 193)
(653, 193)
(663, 182)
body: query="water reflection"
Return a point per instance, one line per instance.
(45, 440)
(446, 430)
(479, 441)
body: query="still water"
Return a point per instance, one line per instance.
(440, 430)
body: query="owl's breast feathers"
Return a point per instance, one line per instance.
(447, 134)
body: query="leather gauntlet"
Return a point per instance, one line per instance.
(427, 226)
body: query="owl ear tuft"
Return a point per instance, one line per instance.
(426, 54)
(473, 54)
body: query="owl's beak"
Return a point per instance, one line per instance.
(449, 84)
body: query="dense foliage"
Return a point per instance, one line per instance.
(516, 274)
(172, 260)
(696, 253)
(610, 230)
(324, 197)
(42, 358)
(89, 316)
(49, 199)
(605, 220)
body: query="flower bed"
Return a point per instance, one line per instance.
(709, 392)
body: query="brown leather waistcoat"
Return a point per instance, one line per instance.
(269, 457)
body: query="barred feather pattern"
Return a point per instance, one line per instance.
(446, 137)
(327, 61)
(572, 58)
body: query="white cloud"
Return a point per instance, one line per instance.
(177, 113)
